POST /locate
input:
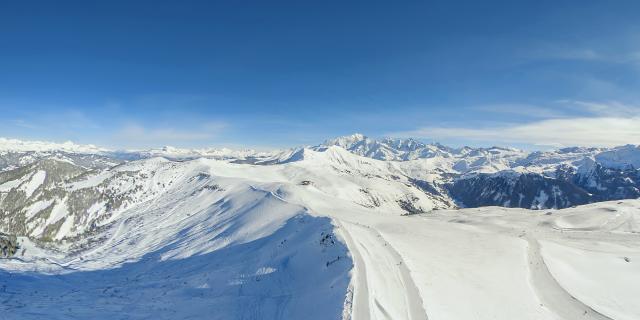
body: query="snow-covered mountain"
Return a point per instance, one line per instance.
(15, 145)
(389, 149)
(475, 177)
(319, 233)
(448, 177)
(53, 199)
(463, 159)
(354, 228)
(15, 153)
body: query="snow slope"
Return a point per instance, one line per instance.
(489, 258)
(194, 250)
(603, 275)
(327, 236)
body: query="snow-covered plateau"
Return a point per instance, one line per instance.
(354, 228)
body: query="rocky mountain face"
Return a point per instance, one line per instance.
(51, 199)
(15, 159)
(574, 183)
(388, 149)
(476, 177)
(8, 245)
(603, 183)
(585, 182)
(527, 190)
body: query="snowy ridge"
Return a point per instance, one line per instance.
(461, 160)
(324, 232)
(196, 251)
(620, 157)
(40, 149)
(213, 153)
(388, 149)
(14, 145)
(483, 160)
(208, 232)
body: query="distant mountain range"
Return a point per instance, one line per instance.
(353, 228)
(53, 191)
(476, 177)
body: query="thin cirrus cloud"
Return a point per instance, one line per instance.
(531, 111)
(610, 109)
(603, 124)
(625, 52)
(136, 135)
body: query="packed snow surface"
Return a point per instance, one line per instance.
(306, 239)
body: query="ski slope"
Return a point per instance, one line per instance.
(214, 239)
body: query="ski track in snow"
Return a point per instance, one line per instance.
(551, 294)
(391, 264)
(373, 254)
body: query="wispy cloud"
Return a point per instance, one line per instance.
(136, 135)
(23, 124)
(558, 53)
(627, 55)
(527, 110)
(607, 109)
(64, 119)
(603, 124)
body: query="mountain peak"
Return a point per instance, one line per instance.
(346, 141)
(387, 148)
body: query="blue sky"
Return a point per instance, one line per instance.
(283, 73)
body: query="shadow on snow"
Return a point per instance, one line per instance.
(290, 274)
